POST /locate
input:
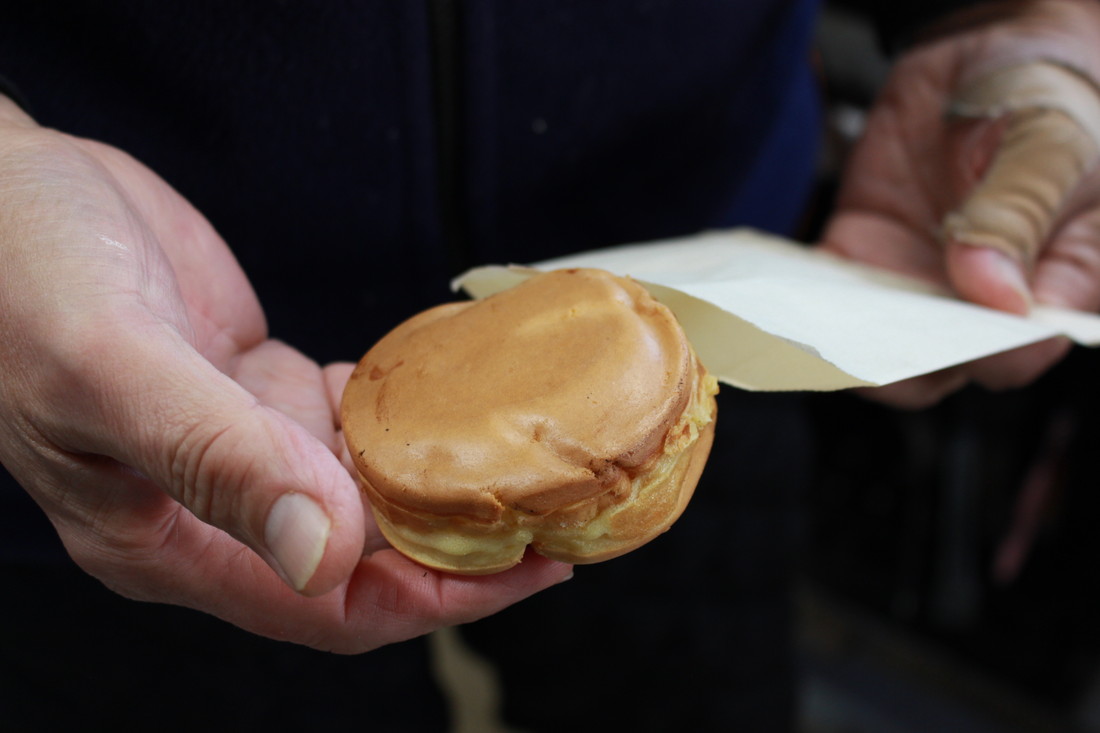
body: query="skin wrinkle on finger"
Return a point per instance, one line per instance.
(192, 478)
(213, 472)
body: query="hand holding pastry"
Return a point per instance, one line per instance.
(182, 455)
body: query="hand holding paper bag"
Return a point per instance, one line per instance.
(978, 171)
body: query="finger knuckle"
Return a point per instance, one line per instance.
(201, 474)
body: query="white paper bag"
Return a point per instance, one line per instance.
(764, 313)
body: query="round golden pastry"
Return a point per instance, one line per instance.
(568, 413)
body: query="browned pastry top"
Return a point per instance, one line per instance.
(530, 400)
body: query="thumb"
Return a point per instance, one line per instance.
(1051, 130)
(247, 469)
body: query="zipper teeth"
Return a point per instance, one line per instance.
(445, 26)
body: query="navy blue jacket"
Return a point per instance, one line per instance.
(341, 145)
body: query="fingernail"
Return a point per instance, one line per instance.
(296, 534)
(1012, 275)
(990, 276)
